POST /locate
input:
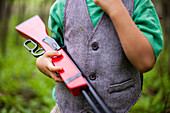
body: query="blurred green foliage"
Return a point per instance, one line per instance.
(155, 97)
(23, 89)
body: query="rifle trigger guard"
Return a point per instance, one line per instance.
(34, 51)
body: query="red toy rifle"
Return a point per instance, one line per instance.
(35, 31)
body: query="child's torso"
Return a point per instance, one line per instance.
(98, 53)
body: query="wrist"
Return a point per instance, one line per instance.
(117, 10)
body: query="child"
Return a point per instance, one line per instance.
(112, 41)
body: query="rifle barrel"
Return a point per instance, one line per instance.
(89, 100)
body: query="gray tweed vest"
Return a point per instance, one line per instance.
(99, 55)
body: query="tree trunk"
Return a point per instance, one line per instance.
(21, 11)
(166, 26)
(5, 13)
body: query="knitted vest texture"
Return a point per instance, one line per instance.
(99, 54)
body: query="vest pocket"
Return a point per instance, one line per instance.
(121, 86)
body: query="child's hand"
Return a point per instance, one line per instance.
(44, 64)
(109, 6)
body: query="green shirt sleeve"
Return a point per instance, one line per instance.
(146, 19)
(55, 21)
(144, 16)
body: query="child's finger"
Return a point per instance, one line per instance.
(55, 77)
(53, 53)
(53, 68)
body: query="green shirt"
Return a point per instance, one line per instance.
(144, 16)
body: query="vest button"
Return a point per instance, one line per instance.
(95, 46)
(92, 76)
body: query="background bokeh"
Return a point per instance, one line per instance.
(23, 89)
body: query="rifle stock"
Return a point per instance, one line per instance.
(35, 29)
